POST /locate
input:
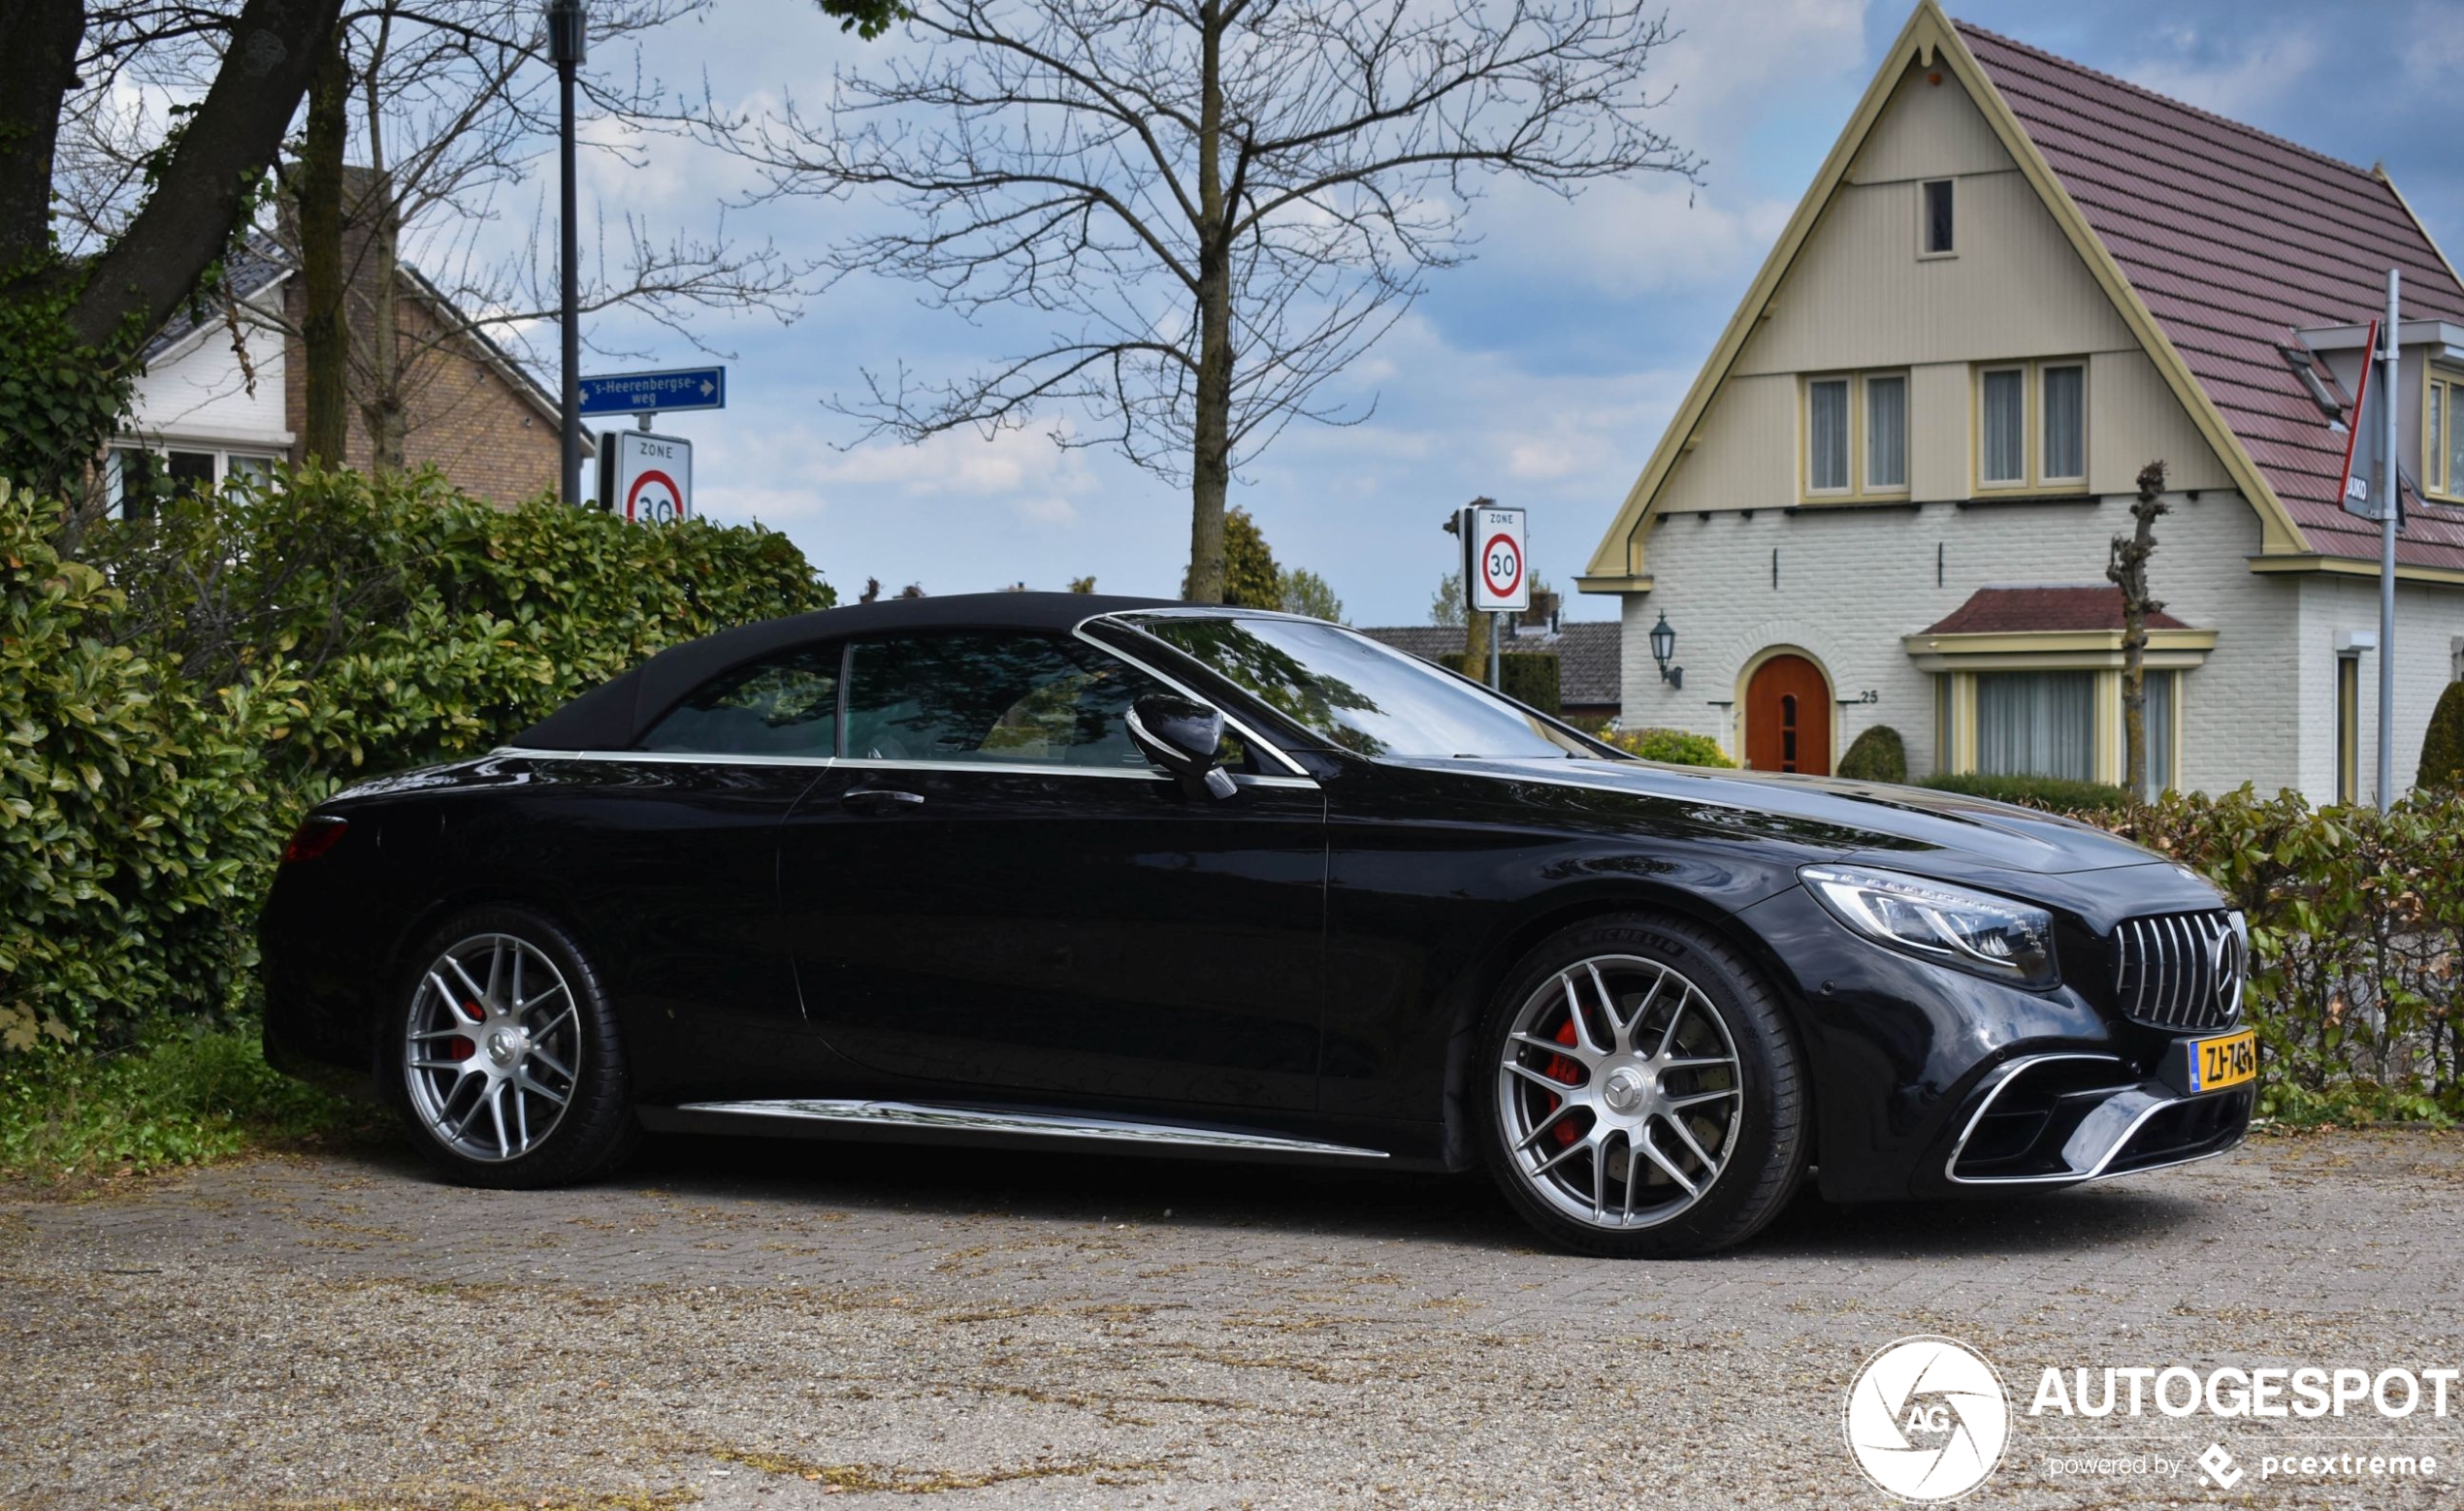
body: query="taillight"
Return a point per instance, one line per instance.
(316, 834)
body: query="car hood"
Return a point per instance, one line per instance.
(1941, 833)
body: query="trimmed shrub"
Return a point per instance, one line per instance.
(1525, 676)
(1878, 755)
(2442, 743)
(2059, 795)
(1675, 747)
(171, 701)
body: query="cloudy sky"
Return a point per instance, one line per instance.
(1540, 373)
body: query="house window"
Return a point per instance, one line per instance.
(2348, 728)
(2065, 430)
(2442, 435)
(2037, 724)
(1887, 433)
(2001, 425)
(2031, 425)
(1856, 436)
(1935, 238)
(1827, 435)
(242, 469)
(135, 477)
(2158, 717)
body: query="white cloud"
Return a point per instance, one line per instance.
(2247, 79)
(1633, 237)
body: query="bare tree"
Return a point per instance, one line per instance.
(1215, 205)
(428, 121)
(2128, 570)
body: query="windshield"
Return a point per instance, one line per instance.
(1358, 694)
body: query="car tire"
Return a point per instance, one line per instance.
(506, 1080)
(1684, 1122)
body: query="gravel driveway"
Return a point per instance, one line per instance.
(742, 1324)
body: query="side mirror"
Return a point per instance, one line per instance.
(1181, 736)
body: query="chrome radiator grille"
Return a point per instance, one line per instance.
(2181, 970)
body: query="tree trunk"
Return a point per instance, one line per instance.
(2128, 570)
(325, 332)
(38, 67)
(382, 406)
(1211, 463)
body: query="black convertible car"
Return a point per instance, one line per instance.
(1027, 868)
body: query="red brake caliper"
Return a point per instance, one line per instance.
(465, 1048)
(1562, 1069)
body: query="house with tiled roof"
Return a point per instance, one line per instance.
(1888, 496)
(224, 391)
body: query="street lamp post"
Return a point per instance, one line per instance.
(568, 41)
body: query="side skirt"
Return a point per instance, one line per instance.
(921, 1122)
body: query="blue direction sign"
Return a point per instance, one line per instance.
(642, 393)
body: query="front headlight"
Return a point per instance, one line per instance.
(1974, 931)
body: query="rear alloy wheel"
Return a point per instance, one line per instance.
(508, 1067)
(1647, 1097)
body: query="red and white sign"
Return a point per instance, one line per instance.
(1499, 573)
(647, 478)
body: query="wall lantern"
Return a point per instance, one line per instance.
(1664, 644)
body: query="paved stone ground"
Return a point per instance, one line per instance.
(749, 1324)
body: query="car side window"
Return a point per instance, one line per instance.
(996, 698)
(786, 705)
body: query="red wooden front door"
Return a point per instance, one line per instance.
(1788, 717)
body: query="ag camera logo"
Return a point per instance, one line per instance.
(1926, 1419)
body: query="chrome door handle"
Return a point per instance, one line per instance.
(880, 800)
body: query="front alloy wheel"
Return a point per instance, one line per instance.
(1619, 1091)
(1648, 1098)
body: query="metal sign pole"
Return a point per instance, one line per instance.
(2391, 502)
(1493, 638)
(567, 24)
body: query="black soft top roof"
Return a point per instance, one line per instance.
(612, 715)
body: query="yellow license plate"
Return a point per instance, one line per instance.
(2227, 1060)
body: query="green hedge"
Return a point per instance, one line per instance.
(2356, 928)
(1676, 747)
(2058, 793)
(173, 697)
(1525, 676)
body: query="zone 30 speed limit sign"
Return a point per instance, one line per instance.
(646, 478)
(1496, 565)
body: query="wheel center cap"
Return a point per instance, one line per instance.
(505, 1047)
(1625, 1089)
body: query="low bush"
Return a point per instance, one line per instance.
(178, 692)
(1878, 755)
(1676, 747)
(2061, 794)
(2442, 743)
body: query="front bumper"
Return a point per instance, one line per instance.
(2059, 1119)
(1931, 1082)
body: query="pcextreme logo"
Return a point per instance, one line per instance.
(1926, 1419)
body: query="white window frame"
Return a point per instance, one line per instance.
(1860, 485)
(2444, 387)
(1924, 222)
(2044, 429)
(1868, 484)
(2025, 431)
(1849, 413)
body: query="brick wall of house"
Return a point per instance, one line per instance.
(463, 415)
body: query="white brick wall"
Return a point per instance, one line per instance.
(1852, 582)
